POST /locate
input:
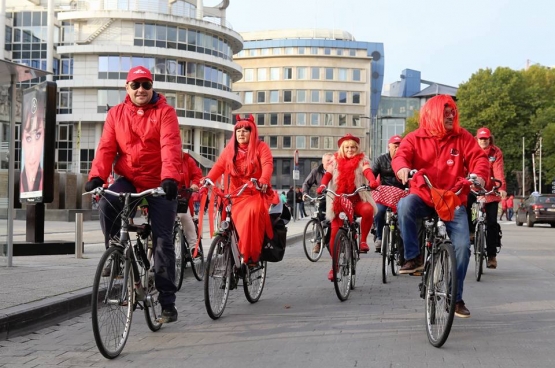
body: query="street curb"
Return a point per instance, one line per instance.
(29, 317)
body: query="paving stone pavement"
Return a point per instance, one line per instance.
(299, 322)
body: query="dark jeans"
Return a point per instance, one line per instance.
(492, 233)
(162, 217)
(379, 220)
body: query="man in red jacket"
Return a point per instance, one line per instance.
(445, 152)
(143, 133)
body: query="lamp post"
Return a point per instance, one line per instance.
(369, 133)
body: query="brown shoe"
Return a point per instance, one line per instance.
(492, 263)
(461, 310)
(412, 266)
(316, 248)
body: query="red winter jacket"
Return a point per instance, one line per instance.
(146, 141)
(445, 160)
(190, 171)
(495, 158)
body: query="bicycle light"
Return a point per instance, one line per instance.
(343, 216)
(224, 225)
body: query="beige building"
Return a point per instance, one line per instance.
(306, 89)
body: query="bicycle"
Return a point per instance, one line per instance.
(314, 231)
(183, 251)
(129, 284)
(225, 265)
(479, 218)
(346, 247)
(439, 279)
(392, 246)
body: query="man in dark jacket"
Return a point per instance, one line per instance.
(291, 199)
(382, 167)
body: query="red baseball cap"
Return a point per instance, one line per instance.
(138, 72)
(349, 137)
(396, 139)
(483, 133)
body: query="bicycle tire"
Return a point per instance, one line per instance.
(341, 263)
(112, 317)
(197, 263)
(310, 234)
(152, 307)
(397, 256)
(180, 256)
(253, 282)
(441, 293)
(479, 250)
(354, 260)
(386, 252)
(217, 276)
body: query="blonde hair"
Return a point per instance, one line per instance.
(341, 150)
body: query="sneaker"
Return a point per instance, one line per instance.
(169, 314)
(411, 266)
(364, 247)
(316, 248)
(492, 263)
(461, 310)
(378, 245)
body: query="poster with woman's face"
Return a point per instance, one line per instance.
(32, 146)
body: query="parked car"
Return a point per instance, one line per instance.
(536, 209)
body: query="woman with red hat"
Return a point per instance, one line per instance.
(350, 170)
(246, 157)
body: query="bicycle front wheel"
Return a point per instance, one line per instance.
(217, 276)
(342, 265)
(112, 302)
(441, 292)
(153, 308)
(386, 252)
(396, 249)
(180, 256)
(254, 280)
(479, 250)
(313, 239)
(197, 262)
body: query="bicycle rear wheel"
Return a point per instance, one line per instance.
(386, 253)
(217, 276)
(396, 249)
(441, 292)
(342, 265)
(197, 263)
(479, 250)
(313, 234)
(254, 280)
(152, 307)
(112, 302)
(180, 256)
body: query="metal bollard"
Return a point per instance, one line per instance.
(78, 235)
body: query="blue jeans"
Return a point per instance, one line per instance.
(162, 217)
(410, 209)
(379, 220)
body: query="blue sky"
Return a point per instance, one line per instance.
(446, 40)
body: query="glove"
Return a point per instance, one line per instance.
(170, 187)
(94, 183)
(202, 191)
(320, 189)
(369, 175)
(326, 178)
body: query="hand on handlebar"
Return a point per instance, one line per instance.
(403, 175)
(321, 189)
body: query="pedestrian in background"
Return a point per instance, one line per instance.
(510, 209)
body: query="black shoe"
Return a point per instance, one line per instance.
(169, 314)
(461, 310)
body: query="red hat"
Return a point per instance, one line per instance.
(349, 137)
(395, 139)
(138, 72)
(483, 133)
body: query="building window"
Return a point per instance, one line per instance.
(329, 96)
(301, 118)
(315, 142)
(260, 119)
(273, 119)
(286, 142)
(262, 74)
(314, 119)
(356, 75)
(342, 97)
(287, 73)
(300, 50)
(64, 101)
(300, 141)
(261, 96)
(328, 119)
(287, 95)
(301, 72)
(314, 73)
(314, 50)
(187, 138)
(108, 98)
(339, 52)
(286, 167)
(342, 120)
(274, 96)
(352, 52)
(252, 52)
(276, 51)
(329, 73)
(315, 96)
(248, 97)
(264, 52)
(356, 97)
(356, 120)
(64, 144)
(274, 73)
(328, 143)
(87, 156)
(342, 74)
(249, 75)
(301, 95)
(273, 141)
(327, 51)
(287, 119)
(207, 145)
(288, 51)
(261, 138)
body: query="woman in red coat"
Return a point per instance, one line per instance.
(350, 170)
(246, 157)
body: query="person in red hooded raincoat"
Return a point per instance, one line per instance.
(143, 132)
(246, 157)
(190, 178)
(445, 152)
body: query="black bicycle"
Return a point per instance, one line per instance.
(315, 230)
(392, 246)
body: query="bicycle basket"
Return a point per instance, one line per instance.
(347, 207)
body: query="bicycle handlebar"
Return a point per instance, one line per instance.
(473, 178)
(208, 182)
(314, 199)
(359, 189)
(101, 191)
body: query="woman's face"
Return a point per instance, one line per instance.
(350, 149)
(32, 144)
(243, 135)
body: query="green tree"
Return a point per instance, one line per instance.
(411, 123)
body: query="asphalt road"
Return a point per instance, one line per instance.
(299, 322)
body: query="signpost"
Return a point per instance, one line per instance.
(296, 176)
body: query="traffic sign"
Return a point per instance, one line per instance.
(296, 157)
(296, 174)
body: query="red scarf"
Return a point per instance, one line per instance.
(345, 180)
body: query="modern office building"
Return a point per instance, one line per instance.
(307, 88)
(89, 45)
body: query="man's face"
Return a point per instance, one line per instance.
(393, 149)
(137, 92)
(483, 142)
(448, 117)
(326, 161)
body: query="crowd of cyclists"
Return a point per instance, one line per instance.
(141, 143)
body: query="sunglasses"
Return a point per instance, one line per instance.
(135, 85)
(448, 114)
